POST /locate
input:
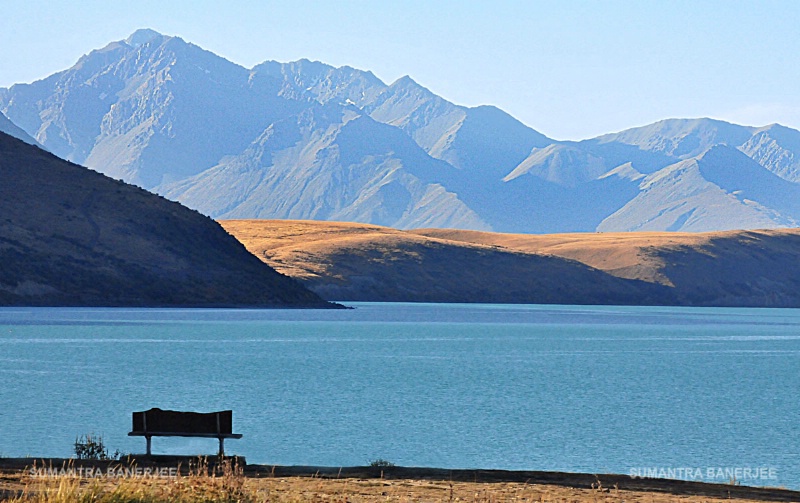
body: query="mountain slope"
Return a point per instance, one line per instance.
(483, 141)
(777, 148)
(308, 140)
(321, 157)
(690, 185)
(680, 138)
(720, 190)
(166, 115)
(70, 236)
(147, 110)
(11, 129)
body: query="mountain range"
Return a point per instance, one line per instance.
(305, 140)
(72, 237)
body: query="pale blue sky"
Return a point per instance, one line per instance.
(570, 69)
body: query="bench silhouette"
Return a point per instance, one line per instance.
(173, 423)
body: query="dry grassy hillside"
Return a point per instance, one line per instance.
(626, 255)
(349, 261)
(734, 268)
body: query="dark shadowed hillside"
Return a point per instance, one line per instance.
(71, 236)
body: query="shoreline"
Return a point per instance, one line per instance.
(166, 466)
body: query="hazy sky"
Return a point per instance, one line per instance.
(570, 69)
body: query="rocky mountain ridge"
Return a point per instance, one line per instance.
(307, 140)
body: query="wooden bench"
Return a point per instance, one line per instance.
(172, 423)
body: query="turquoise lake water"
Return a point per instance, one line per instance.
(569, 388)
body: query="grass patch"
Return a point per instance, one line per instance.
(224, 484)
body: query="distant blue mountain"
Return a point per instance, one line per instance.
(9, 128)
(308, 140)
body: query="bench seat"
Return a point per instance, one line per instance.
(172, 423)
(182, 434)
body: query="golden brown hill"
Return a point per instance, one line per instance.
(349, 261)
(730, 268)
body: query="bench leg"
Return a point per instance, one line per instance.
(221, 447)
(148, 445)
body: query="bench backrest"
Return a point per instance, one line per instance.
(173, 421)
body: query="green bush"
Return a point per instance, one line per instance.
(381, 463)
(91, 446)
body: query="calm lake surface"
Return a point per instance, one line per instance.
(569, 388)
